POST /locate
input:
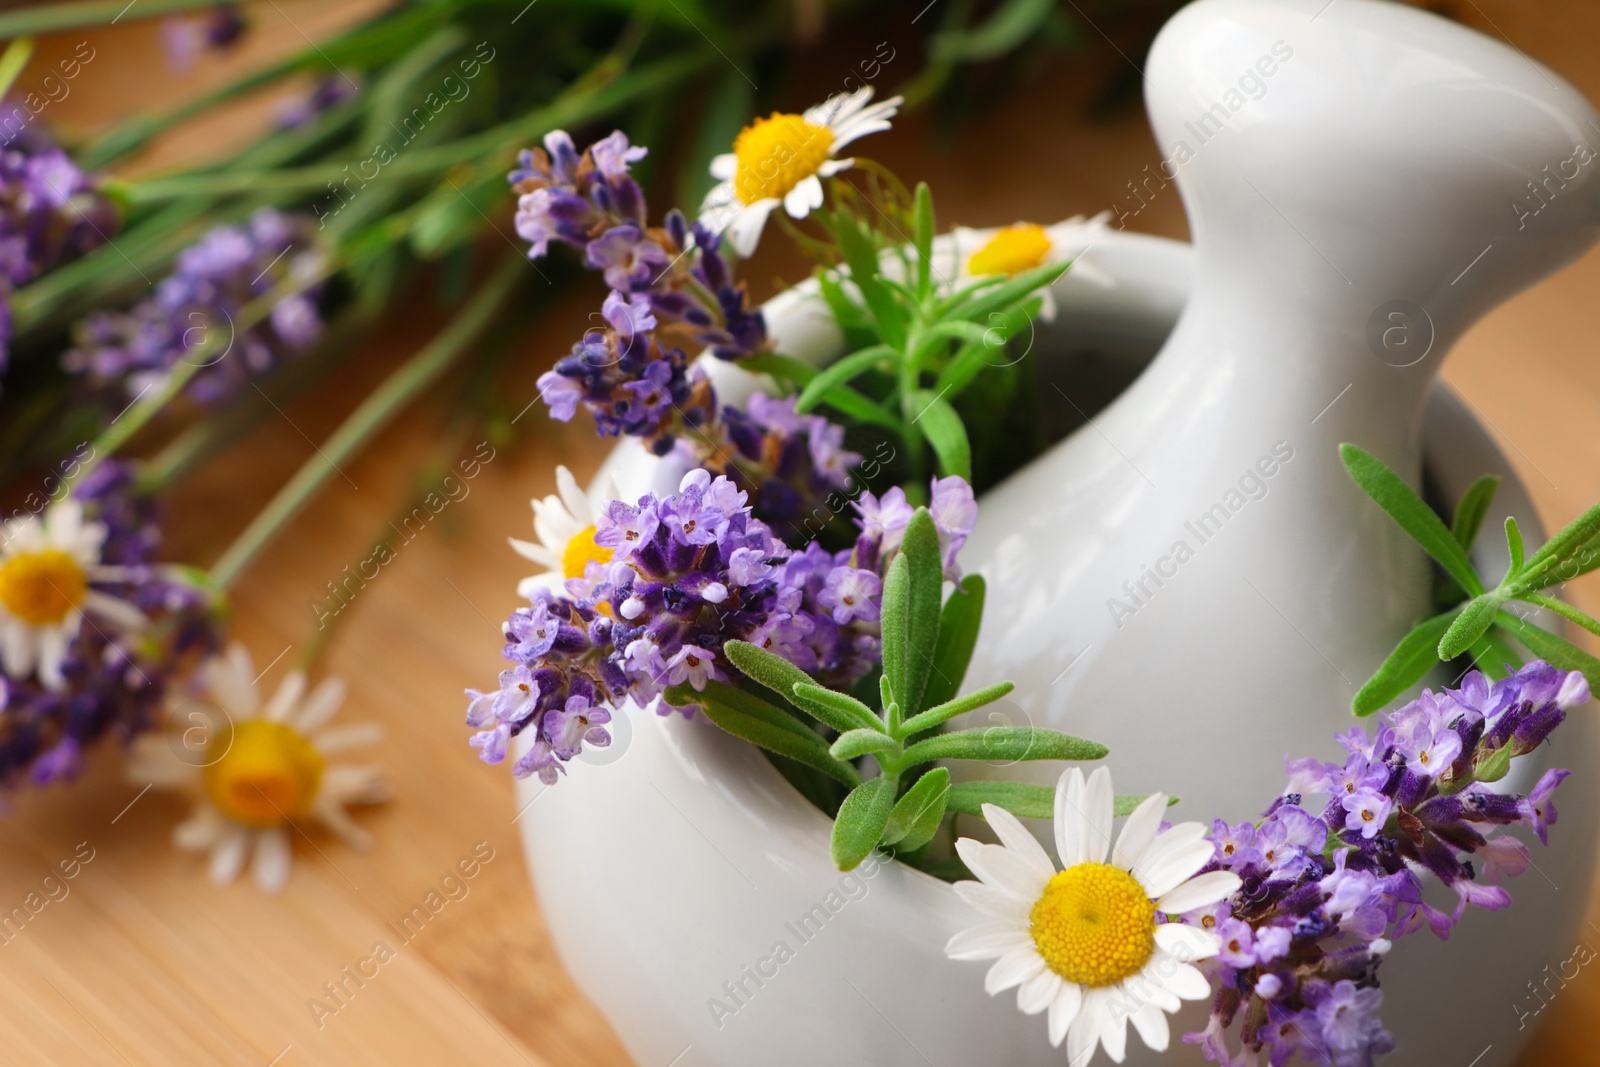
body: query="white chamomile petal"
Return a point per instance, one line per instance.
(799, 201)
(745, 229)
(987, 942)
(228, 854)
(724, 166)
(1037, 993)
(1139, 831)
(270, 867)
(1012, 969)
(1199, 892)
(1015, 837)
(1113, 1023)
(1173, 857)
(1151, 1023)
(1182, 980)
(286, 698)
(999, 867)
(993, 901)
(1187, 942)
(1063, 1010)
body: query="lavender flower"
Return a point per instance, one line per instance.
(213, 281)
(788, 461)
(687, 573)
(113, 684)
(49, 211)
(1324, 896)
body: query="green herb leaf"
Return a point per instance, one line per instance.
(859, 825)
(968, 363)
(1565, 610)
(924, 595)
(1009, 743)
(841, 711)
(923, 233)
(958, 635)
(1578, 561)
(951, 708)
(1514, 547)
(888, 317)
(841, 373)
(1547, 646)
(780, 367)
(1472, 622)
(1416, 518)
(1472, 507)
(894, 621)
(1012, 23)
(999, 297)
(916, 817)
(771, 735)
(860, 742)
(1024, 800)
(1563, 549)
(1493, 655)
(942, 427)
(851, 316)
(1413, 657)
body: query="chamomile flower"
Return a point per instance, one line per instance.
(782, 159)
(566, 527)
(49, 567)
(259, 769)
(1013, 249)
(1088, 942)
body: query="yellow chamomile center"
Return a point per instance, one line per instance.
(268, 775)
(1012, 251)
(1094, 925)
(40, 588)
(580, 550)
(776, 154)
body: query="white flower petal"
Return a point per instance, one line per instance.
(724, 167)
(1098, 804)
(537, 553)
(228, 854)
(1186, 942)
(115, 610)
(1038, 992)
(1014, 836)
(1068, 817)
(744, 232)
(1173, 858)
(351, 735)
(1063, 1010)
(1084, 1036)
(320, 706)
(270, 869)
(355, 783)
(806, 194)
(1002, 868)
(285, 699)
(1137, 833)
(987, 942)
(1151, 1023)
(338, 820)
(994, 902)
(204, 826)
(52, 645)
(1199, 892)
(1012, 969)
(1182, 980)
(17, 649)
(573, 496)
(152, 762)
(1113, 1014)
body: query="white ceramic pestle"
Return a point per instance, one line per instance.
(670, 875)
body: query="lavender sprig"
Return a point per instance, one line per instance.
(1325, 895)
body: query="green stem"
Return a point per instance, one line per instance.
(1563, 609)
(569, 110)
(16, 57)
(58, 16)
(374, 413)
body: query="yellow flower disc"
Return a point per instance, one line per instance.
(776, 154)
(40, 588)
(267, 775)
(1012, 251)
(580, 550)
(1094, 925)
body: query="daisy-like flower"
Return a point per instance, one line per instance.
(48, 569)
(1089, 942)
(566, 528)
(1026, 245)
(260, 769)
(782, 159)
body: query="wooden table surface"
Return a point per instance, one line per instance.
(143, 962)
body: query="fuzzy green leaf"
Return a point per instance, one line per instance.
(1565, 610)
(859, 825)
(938, 422)
(1007, 743)
(1547, 646)
(927, 720)
(1564, 549)
(1514, 546)
(853, 743)
(1024, 800)
(917, 815)
(780, 367)
(958, 635)
(999, 297)
(766, 668)
(1472, 507)
(893, 623)
(987, 350)
(1415, 517)
(841, 373)
(841, 711)
(888, 316)
(923, 234)
(773, 736)
(1472, 622)
(1415, 655)
(924, 596)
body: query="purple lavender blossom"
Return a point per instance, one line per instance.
(114, 686)
(1324, 896)
(790, 462)
(211, 284)
(688, 573)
